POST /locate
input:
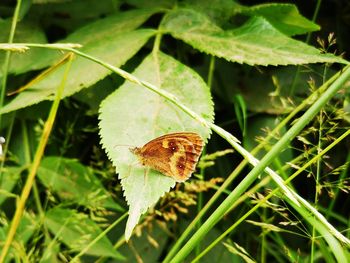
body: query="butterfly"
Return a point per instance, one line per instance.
(174, 154)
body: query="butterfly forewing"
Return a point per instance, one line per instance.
(174, 155)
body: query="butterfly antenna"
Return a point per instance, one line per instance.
(123, 145)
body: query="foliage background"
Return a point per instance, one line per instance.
(255, 80)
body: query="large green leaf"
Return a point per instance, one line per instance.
(111, 25)
(37, 58)
(77, 231)
(284, 17)
(32, 59)
(256, 42)
(133, 115)
(112, 40)
(75, 183)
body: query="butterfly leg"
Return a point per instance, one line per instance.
(145, 174)
(130, 166)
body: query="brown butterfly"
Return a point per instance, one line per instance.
(174, 154)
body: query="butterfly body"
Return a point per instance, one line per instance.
(174, 154)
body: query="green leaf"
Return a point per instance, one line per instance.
(34, 58)
(77, 231)
(284, 17)
(112, 25)
(134, 115)
(74, 182)
(112, 40)
(116, 50)
(257, 42)
(38, 58)
(219, 11)
(51, 253)
(9, 177)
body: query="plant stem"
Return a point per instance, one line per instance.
(308, 37)
(268, 158)
(241, 166)
(271, 194)
(317, 185)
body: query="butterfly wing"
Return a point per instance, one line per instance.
(174, 155)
